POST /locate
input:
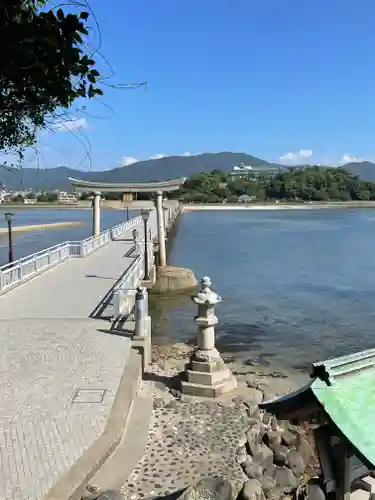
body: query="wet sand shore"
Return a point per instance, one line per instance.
(38, 227)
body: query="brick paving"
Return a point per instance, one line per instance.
(59, 370)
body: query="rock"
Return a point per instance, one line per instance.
(241, 455)
(254, 394)
(254, 421)
(251, 490)
(267, 418)
(306, 450)
(296, 463)
(252, 383)
(254, 436)
(275, 493)
(263, 456)
(289, 438)
(286, 479)
(257, 414)
(268, 395)
(110, 495)
(92, 489)
(274, 433)
(252, 409)
(209, 488)
(171, 279)
(280, 454)
(314, 490)
(267, 483)
(252, 470)
(295, 429)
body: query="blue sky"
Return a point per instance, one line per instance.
(284, 80)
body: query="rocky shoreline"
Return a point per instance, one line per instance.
(277, 458)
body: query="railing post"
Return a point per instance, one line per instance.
(142, 331)
(140, 314)
(116, 304)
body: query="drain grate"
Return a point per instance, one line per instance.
(88, 396)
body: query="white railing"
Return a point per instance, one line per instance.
(123, 299)
(124, 227)
(23, 269)
(91, 244)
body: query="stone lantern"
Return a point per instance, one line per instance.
(207, 375)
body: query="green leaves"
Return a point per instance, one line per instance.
(307, 184)
(44, 67)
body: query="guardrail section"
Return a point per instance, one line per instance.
(17, 272)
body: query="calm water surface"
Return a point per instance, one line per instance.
(30, 242)
(297, 286)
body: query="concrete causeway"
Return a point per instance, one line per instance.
(59, 368)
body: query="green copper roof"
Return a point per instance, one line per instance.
(345, 387)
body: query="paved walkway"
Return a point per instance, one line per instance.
(71, 290)
(59, 370)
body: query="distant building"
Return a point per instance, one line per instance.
(244, 198)
(64, 197)
(3, 194)
(246, 172)
(30, 201)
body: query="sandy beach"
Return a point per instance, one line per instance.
(38, 227)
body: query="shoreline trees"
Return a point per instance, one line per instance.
(299, 185)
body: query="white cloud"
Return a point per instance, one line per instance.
(297, 158)
(128, 160)
(69, 125)
(157, 156)
(350, 159)
(190, 154)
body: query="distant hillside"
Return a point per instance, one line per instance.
(150, 170)
(143, 171)
(365, 170)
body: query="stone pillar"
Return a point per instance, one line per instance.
(207, 375)
(96, 213)
(161, 229)
(127, 197)
(142, 327)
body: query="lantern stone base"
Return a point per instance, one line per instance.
(207, 376)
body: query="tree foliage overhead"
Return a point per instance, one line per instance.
(43, 67)
(303, 184)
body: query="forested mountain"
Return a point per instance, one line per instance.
(143, 171)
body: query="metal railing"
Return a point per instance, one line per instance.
(23, 269)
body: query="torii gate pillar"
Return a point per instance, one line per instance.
(161, 228)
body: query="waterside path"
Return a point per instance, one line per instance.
(59, 367)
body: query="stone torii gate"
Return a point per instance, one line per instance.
(96, 188)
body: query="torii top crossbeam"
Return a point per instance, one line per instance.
(127, 187)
